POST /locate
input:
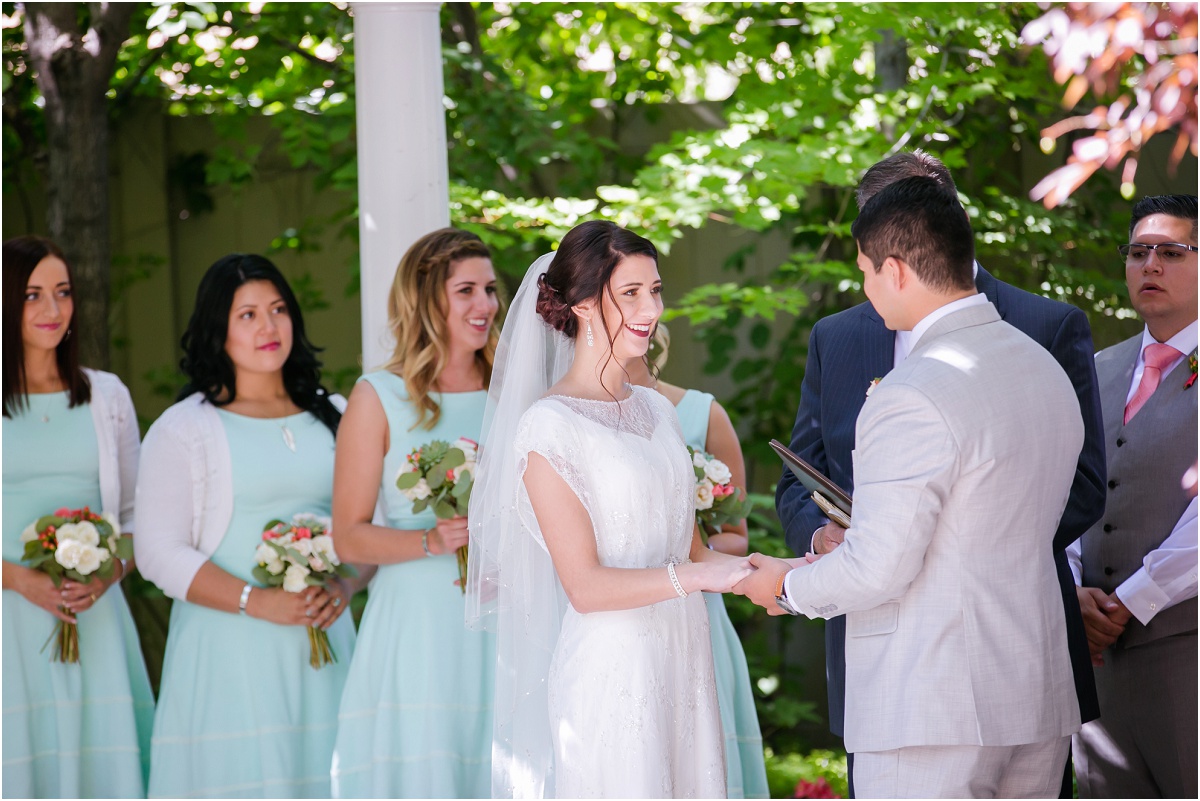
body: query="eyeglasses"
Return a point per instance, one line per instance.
(1168, 252)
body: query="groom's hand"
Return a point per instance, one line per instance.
(760, 585)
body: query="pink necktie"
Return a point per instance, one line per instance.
(1157, 357)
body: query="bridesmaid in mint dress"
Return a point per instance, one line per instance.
(706, 426)
(241, 713)
(78, 730)
(416, 715)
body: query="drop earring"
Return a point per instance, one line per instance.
(590, 341)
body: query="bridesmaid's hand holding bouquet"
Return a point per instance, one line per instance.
(74, 545)
(440, 475)
(297, 555)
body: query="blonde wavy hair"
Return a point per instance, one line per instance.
(417, 309)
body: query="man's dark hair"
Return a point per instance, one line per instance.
(917, 164)
(1181, 206)
(918, 221)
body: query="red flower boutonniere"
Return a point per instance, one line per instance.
(1192, 369)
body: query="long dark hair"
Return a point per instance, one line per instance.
(22, 255)
(207, 365)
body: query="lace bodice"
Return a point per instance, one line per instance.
(627, 464)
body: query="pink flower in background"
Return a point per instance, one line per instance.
(818, 789)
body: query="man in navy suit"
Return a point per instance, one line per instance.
(849, 350)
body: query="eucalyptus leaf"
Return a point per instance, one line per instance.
(407, 480)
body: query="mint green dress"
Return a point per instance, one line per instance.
(70, 730)
(745, 772)
(416, 717)
(241, 713)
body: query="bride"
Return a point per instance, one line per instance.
(584, 555)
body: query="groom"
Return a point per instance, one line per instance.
(958, 678)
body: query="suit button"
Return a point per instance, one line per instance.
(1108, 571)
(1112, 484)
(1120, 441)
(1108, 527)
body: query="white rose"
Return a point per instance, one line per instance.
(305, 547)
(30, 533)
(704, 494)
(90, 558)
(465, 467)
(112, 520)
(83, 532)
(717, 472)
(406, 467)
(293, 578)
(419, 491)
(467, 447)
(323, 547)
(266, 556)
(69, 553)
(698, 459)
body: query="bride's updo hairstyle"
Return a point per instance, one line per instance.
(581, 270)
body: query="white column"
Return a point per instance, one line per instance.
(403, 179)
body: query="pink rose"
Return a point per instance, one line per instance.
(64, 512)
(303, 533)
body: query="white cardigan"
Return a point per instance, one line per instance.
(184, 493)
(117, 440)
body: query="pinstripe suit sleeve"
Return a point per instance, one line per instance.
(797, 512)
(1072, 348)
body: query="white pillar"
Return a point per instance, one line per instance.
(403, 178)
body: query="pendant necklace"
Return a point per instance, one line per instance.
(289, 438)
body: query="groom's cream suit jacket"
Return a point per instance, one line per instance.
(963, 461)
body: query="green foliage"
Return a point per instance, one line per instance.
(785, 771)
(432, 463)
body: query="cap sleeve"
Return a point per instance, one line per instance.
(548, 429)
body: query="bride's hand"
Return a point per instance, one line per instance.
(720, 575)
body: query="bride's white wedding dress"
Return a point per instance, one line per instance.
(631, 694)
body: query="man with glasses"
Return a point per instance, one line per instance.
(1136, 567)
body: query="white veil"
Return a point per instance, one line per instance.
(512, 588)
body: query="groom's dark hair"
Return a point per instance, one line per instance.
(897, 167)
(918, 221)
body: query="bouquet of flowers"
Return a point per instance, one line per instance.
(717, 501)
(75, 544)
(296, 555)
(440, 475)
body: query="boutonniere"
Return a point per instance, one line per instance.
(1191, 368)
(875, 382)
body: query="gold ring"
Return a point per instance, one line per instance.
(92, 595)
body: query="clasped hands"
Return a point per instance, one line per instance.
(760, 585)
(1104, 619)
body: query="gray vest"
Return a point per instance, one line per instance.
(1146, 460)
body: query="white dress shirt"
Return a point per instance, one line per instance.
(1168, 573)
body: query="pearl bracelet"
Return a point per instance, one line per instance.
(244, 599)
(675, 580)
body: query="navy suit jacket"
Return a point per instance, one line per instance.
(848, 350)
